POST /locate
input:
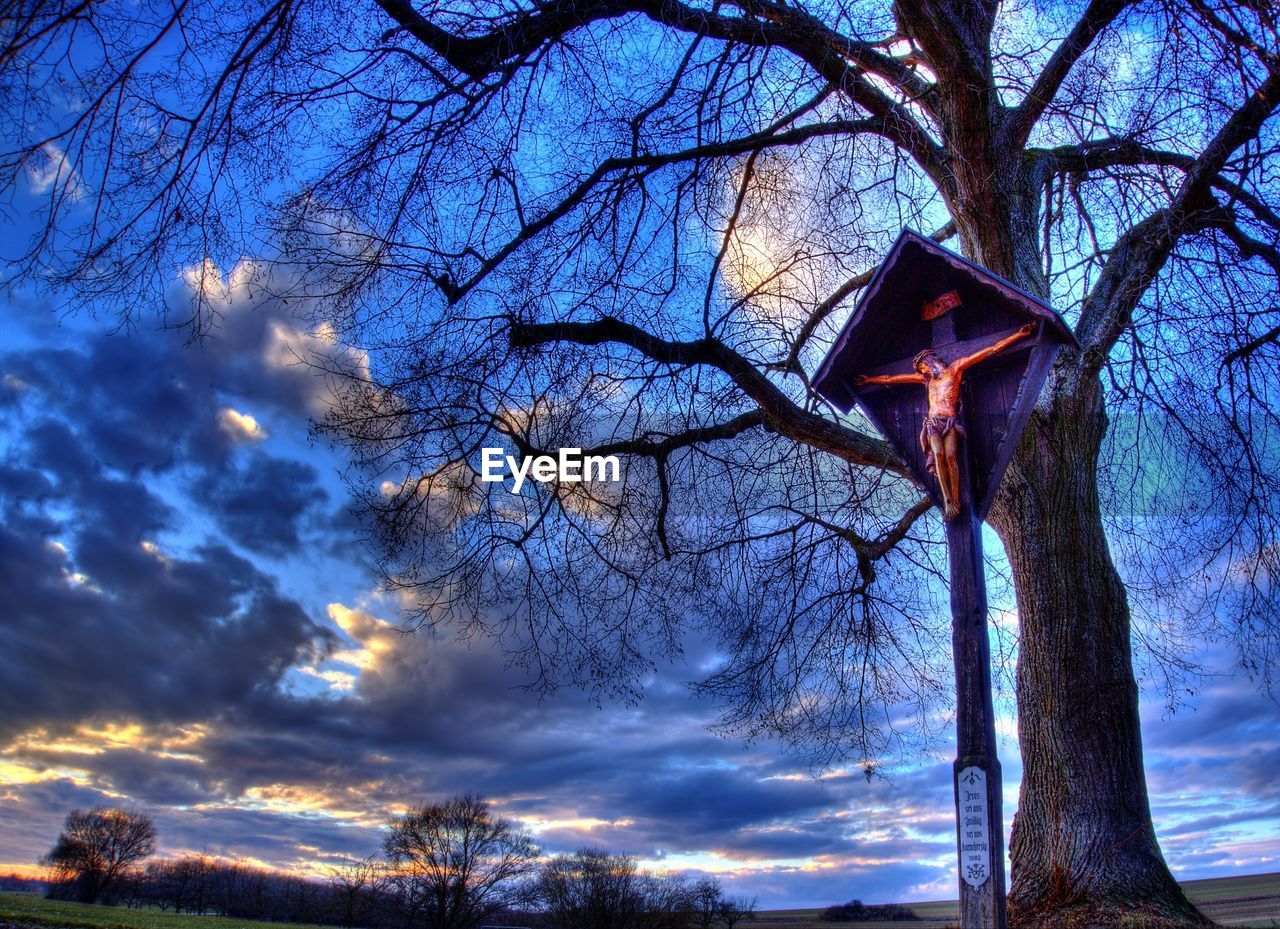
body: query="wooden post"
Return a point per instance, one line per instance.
(976, 773)
(925, 296)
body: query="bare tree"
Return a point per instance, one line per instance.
(597, 889)
(633, 226)
(666, 899)
(455, 863)
(96, 849)
(590, 889)
(710, 906)
(707, 896)
(356, 889)
(734, 910)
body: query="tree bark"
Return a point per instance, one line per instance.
(1083, 842)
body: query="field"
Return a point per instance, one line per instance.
(1252, 901)
(24, 910)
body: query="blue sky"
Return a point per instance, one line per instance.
(193, 627)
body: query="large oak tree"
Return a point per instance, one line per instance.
(633, 226)
(95, 850)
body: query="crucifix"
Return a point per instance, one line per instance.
(942, 431)
(981, 348)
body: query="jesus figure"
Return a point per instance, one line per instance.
(941, 434)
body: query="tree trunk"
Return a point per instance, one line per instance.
(1083, 846)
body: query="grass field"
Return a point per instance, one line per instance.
(1252, 901)
(25, 910)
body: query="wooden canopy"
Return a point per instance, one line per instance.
(926, 296)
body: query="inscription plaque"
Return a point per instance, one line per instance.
(941, 306)
(975, 841)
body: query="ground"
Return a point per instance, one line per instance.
(1252, 901)
(22, 911)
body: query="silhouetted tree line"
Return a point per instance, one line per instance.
(857, 911)
(202, 885)
(17, 883)
(451, 865)
(590, 889)
(594, 889)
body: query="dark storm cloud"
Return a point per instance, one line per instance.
(261, 502)
(96, 624)
(433, 717)
(151, 403)
(256, 833)
(155, 780)
(139, 635)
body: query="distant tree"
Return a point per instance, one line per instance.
(711, 908)
(666, 901)
(596, 889)
(177, 883)
(16, 883)
(734, 910)
(455, 864)
(857, 911)
(202, 884)
(96, 849)
(707, 897)
(355, 890)
(590, 889)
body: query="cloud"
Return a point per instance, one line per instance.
(150, 399)
(102, 628)
(261, 502)
(50, 170)
(189, 627)
(240, 427)
(101, 620)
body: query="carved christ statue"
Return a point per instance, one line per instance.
(940, 437)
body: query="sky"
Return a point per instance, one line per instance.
(193, 627)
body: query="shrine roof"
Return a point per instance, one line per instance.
(916, 271)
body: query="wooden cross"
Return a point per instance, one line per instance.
(926, 297)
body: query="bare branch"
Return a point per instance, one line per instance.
(1098, 15)
(1100, 154)
(645, 165)
(783, 415)
(1142, 250)
(842, 61)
